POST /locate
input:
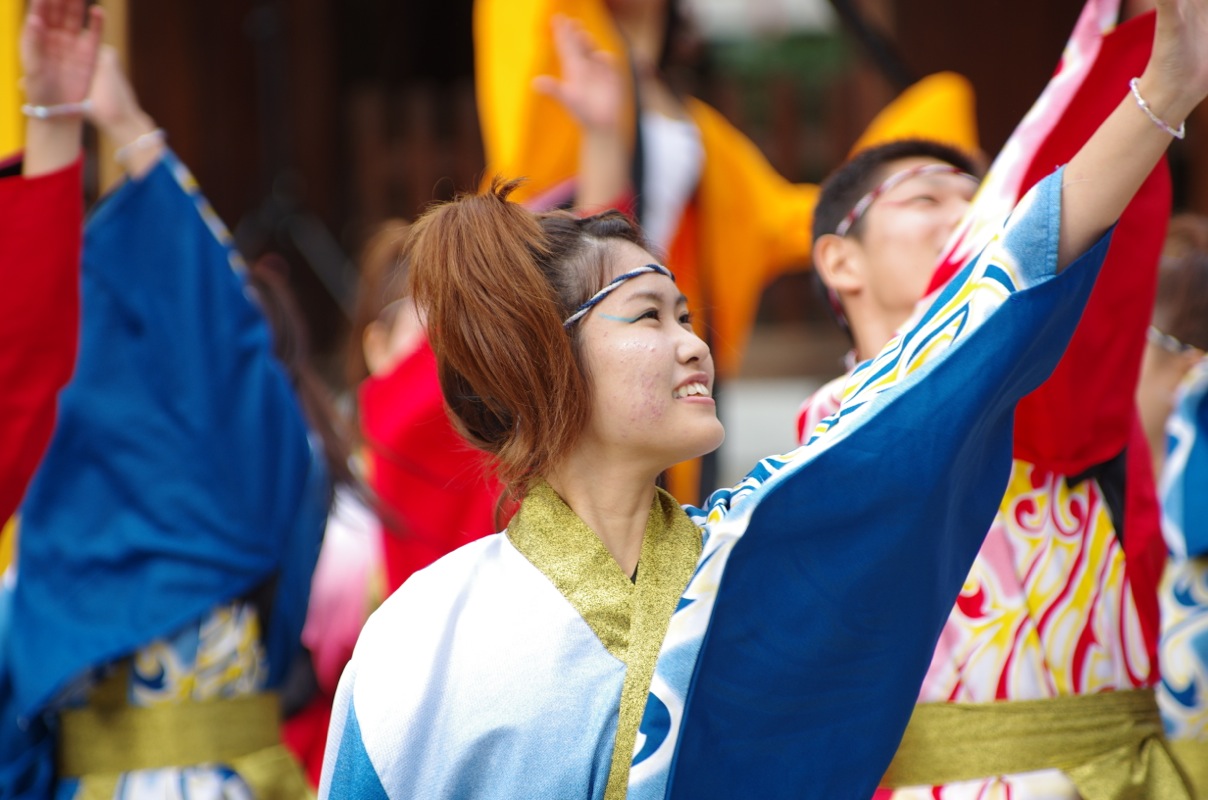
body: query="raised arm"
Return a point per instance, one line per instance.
(114, 109)
(59, 44)
(593, 90)
(1110, 168)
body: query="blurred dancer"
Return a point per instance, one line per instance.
(40, 211)
(1058, 615)
(1173, 399)
(168, 539)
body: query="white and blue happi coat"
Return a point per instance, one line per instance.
(796, 674)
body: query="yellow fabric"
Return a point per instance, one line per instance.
(1193, 758)
(629, 617)
(114, 738)
(12, 124)
(8, 543)
(101, 741)
(940, 107)
(1109, 744)
(525, 133)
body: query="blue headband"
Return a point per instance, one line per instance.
(607, 290)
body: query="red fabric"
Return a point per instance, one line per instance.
(1081, 416)
(1085, 413)
(437, 491)
(305, 734)
(1144, 547)
(40, 228)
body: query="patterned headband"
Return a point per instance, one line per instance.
(594, 300)
(893, 180)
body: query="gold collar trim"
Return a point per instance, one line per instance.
(552, 537)
(629, 618)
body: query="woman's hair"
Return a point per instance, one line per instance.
(495, 283)
(382, 281)
(1181, 307)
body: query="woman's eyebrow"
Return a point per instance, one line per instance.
(657, 297)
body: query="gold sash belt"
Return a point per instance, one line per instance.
(100, 741)
(1193, 758)
(1109, 744)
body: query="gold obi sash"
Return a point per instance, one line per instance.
(1192, 756)
(1109, 744)
(100, 741)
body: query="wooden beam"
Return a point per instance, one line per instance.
(117, 33)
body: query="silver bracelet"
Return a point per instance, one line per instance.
(142, 142)
(59, 110)
(1177, 133)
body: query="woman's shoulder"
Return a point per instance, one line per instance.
(446, 578)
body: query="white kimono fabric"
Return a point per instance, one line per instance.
(501, 671)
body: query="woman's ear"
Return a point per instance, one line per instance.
(375, 345)
(835, 259)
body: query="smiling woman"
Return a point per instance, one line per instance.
(554, 659)
(612, 644)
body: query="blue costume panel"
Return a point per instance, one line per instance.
(181, 474)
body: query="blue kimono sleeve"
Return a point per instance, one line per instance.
(793, 672)
(181, 473)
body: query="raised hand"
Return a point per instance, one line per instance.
(114, 108)
(1107, 171)
(591, 86)
(59, 44)
(594, 91)
(1176, 78)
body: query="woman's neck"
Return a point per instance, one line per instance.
(613, 501)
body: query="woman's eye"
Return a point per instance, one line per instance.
(651, 314)
(686, 318)
(924, 199)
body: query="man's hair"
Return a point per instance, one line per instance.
(861, 174)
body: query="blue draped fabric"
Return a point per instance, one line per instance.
(835, 593)
(180, 475)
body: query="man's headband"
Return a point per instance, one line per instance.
(893, 180)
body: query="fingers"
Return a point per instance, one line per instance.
(49, 11)
(96, 26)
(572, 43)
(551, 87)
(73, 15)
(96, 21)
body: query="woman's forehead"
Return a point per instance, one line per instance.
(652, 287)
(624, 256)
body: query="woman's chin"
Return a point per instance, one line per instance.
(702, 444)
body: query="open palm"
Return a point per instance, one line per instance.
(58, 50)
(591, 87)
